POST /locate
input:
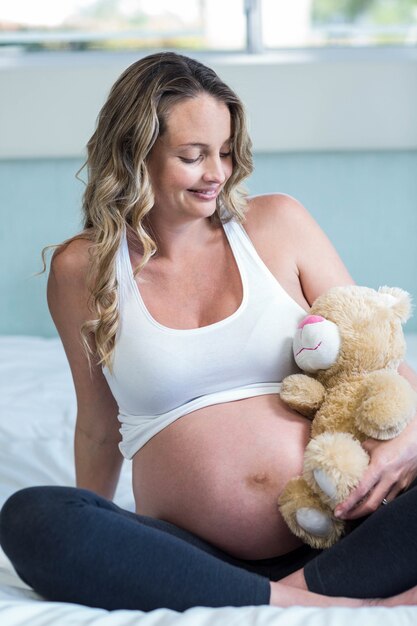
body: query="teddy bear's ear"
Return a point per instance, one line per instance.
(398, 300)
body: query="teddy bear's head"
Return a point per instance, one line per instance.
(353, 329)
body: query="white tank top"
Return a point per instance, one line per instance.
(160, 374)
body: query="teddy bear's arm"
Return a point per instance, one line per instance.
(387, 405)
(303, 394)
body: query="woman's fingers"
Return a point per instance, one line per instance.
(380, 496)
(392, 467)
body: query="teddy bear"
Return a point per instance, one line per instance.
(349, 345)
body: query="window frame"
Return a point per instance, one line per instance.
(254, 37)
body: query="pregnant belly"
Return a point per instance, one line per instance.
(218, 472)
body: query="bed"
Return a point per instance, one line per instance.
(37, 411)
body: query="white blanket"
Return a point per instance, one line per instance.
(37, 412)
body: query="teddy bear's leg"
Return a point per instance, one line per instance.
(307, 516)
(388, 404)
(333, 465)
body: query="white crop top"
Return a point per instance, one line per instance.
(160, 374)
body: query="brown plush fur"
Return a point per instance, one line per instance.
(360, 395)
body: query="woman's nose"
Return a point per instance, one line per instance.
(215, 171)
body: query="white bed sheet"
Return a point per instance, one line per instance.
(37, 412)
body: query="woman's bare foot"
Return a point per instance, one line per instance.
(406, 598)
(284, 594)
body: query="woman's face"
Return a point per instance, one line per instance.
(190, 163)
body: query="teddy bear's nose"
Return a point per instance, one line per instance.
(311, 319)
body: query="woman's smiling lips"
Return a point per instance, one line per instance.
(205, 194)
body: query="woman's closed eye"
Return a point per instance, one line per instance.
(185, 160)
(223, 155)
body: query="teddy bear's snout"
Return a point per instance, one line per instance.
(316, 344)
(311, 319)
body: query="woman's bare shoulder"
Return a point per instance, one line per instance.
(271, 210)
(277, 218)
(68, 293)
(71, 261)
(286, 233)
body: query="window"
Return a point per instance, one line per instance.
(221, 25)
(314, 23)
(123, 24)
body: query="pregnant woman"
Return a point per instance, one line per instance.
(176, 306)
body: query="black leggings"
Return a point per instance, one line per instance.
(71, 545)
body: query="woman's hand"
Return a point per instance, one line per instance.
(392, 468)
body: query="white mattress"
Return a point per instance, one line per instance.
(37, 412)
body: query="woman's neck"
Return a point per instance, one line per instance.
(178, 240)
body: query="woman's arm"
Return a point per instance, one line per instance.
(393, 463)
(97, 457)
(392, 468)
(319, 264)
(294, 247)
(317, 267)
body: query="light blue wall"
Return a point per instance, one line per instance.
(365, 201)
(39, 204)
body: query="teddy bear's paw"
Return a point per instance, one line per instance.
(307, 517)
(313, 521)
(388, 405)
(326, 483)
(333, 465)
(302, 393)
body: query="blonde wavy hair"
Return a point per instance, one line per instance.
(119, 194)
